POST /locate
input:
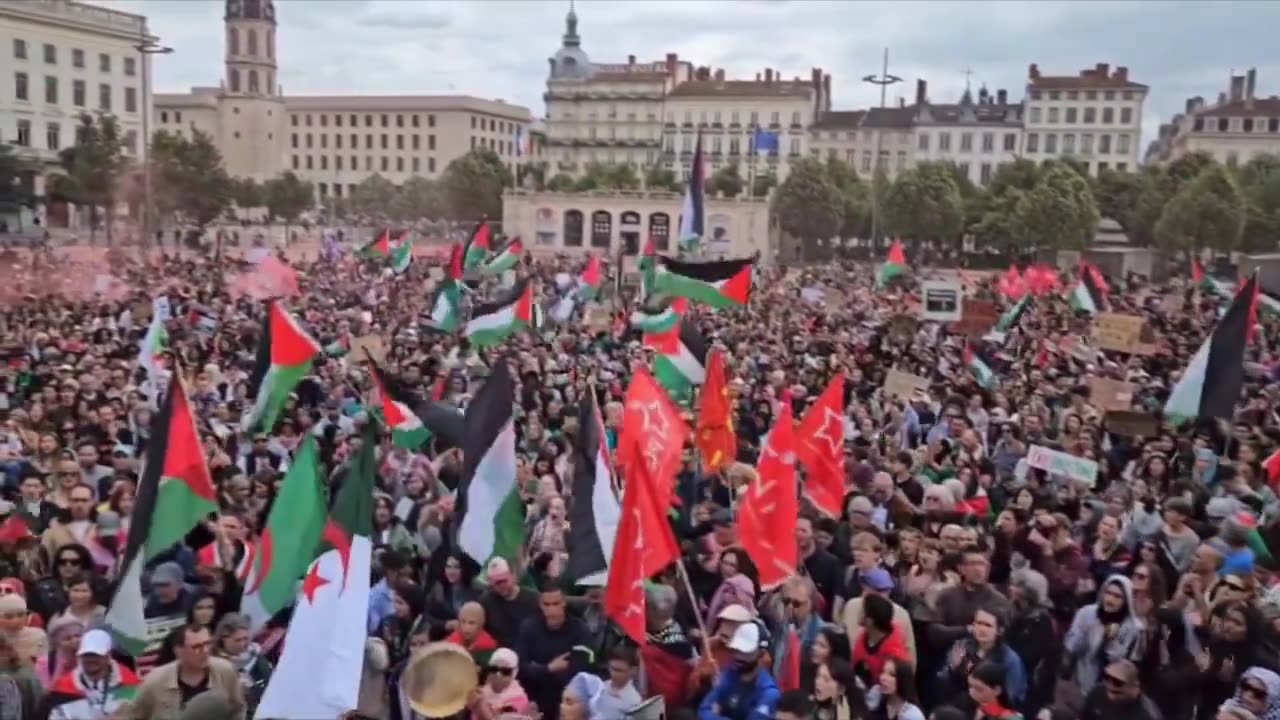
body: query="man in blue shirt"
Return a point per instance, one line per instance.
(380, 605)
(745, 690)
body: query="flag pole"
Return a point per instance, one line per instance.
(693, 600)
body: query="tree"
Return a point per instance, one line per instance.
(93, 166)
(416, 199)
(1260, 182)
(188, 177)
(288, 196)
(1059, 212)
(809, 206)
(1208, 212)
(726, 181)
(855, 197)
(373, 197)
(994, 210)
(763, 183)
(472, 185)
(247, 193)
(608, 176)
(560, 182)
(15, 177)
(925, 203)
(1118, 194)
(657, 177)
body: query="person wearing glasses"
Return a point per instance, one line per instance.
(171, 687)
(501, 692)
(1257, 693)
(1104, 632)
(1119, 696)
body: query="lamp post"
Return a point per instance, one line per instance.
(884, 80)
(146, 48)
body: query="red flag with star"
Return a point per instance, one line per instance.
(644, 546)
(767, 514)
(715, 438)
(653, 434)
(820, 448)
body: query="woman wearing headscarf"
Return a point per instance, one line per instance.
(501, 692)
(734, 590)
(1103, 632)
(1235, 644)
(1258, 692)
(64, 640)
(579, 697)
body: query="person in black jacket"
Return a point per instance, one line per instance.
(1119, 696)
(548, 651)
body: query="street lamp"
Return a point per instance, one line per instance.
(145, 48)
(884, 80)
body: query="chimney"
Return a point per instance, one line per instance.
(1250, 83)
(672, 61)
(1033, 71)
(757, 77)
(1237, 87)
(768, 75)
(1190, 106)
(1222, 98)
(902, 102)
(1101, 69)
(984, 97)
(720, 75)
(1002, 96)
(1122, 73)
(826, 92)
(922, 91)
(631, 59)
(815, 78)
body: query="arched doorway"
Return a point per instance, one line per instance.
(660, 231)
(629, 232)
(573, 228)
(601, 229)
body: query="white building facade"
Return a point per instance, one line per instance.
(1094, 117)
(977, 135)
(1233, 130)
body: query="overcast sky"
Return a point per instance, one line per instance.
(498, 49)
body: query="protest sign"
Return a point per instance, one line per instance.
(1108, 394)
(903, 385)
(1059, 463)
(812, 295)
(941, 300)
(1132, 424)
(1122, 333)
(372, 344)
(976, 319)
(598, 318)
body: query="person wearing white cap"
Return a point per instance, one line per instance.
(745, 690)
(97, 688)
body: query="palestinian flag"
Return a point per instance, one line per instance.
(72, 695)
(174, 494)
(895, 263)
(446, 305)
(1210, 386)
(289, 540)
(382, 246)
(489, 514)
(402, 252)
(659, 317)
(586, 289)
(495, 321)
(593, 526)
(506, 259)
(682, 364)
(407, 431)
(982, 372)
(319, 672)
(1198, 277)
(1090, 293)
(1013, 315)
(285, 354)
(339, 347)
(692, 213)
(648, 267)
(478, 245)
(723, 284)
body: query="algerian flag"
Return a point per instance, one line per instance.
(289, 540)
(406, 429)
(285, 354)
(489, 512)
(323, 661)
(153, 343)
(493, 322)
(506, 259)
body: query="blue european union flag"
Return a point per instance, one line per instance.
(764, 140)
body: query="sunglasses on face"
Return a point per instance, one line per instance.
(501, 670)
(69, 561)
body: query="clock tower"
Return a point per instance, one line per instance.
(252, 112)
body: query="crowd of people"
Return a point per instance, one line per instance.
(958, 583)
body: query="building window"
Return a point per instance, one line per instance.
(399, 121)
(20, 48)
(1035, 115)
(177, 116)
(1122, 144)
(431, 165)
(1011, 142)
(253, 81)
(1108, 115)
(923, 143)
(1071, 115)
(902, 159)
(20, 89)
(131, 100)
(1086, 144)
(308, 141)
(77, 93)
(104, 63)
(414, 165)
(386, 163)
(944, 142)
(1104, 144)
(24, 133)
(235, 84)
(1033, 142)
(414, 141)
(773, 118)
(1223, 124)
(324, 162)
(988, 142)
(295, 162)
(104, 97)
(130, 67)
(1273, 125)
(309, 167)
(1091, 95)
(413, 121)
(337, 162)
(1053, 116)
(1035, 94)
(1247, 125)
(573, 228)
(293, 141)
(1122, 167)
(399, 142)
(324, 141)
(795, 117)
(1050, 143)
(385, 120)
(50, 54)
(368, 141)
(368, 121)
(795, 146)
(251, 42)
(1068, 143)
(431, 121)
(1090, 115)
(866, 161)
(399, 164)
(77, 58)
(963, 168)
(1054, 95)
(51, 90)
(984, 173)
(1126, 116)
(53, 136)
(383, 138)
(660, 230)
(164, 118)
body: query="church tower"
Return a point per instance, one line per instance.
(252, 111)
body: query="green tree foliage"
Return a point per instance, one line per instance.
(15, 176)
(1207, 212)
(288, 196)
(472, 185)
(995, 209)
(763, 183)
(1059, 212)
(247, 193)
(608, 176)
(657, 177)
(417, 198)
(373, 197)
(560, 182)
(809, 206)
(93, 168)
(925, 203)
(855, 197)
(188, 178)
(1260, 182)
(1118, 194)
(726, 181)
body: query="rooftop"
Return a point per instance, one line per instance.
(981, 113)
(899, 118)
(840, 120)
(1098, 77)
(1264, 107)
(742, 88)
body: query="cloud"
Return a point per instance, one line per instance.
(499, 48)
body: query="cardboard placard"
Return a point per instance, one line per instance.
(903, 326)
(976, 319)
(598, 318)
(903, 385)
(1132, 424)
(1121, 333)
(372, 344)
(1108, 394)
(1060, 463)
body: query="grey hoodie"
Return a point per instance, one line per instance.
(1087, 644)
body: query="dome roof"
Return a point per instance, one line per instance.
(571, 61)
